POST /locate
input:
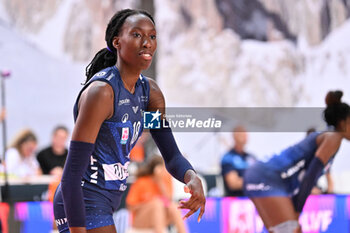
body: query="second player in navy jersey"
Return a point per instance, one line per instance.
(108, 121)
(279, 187)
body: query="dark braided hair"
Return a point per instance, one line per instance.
(336, 110)
(106, 58)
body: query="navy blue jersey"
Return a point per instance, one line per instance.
(283, 173)
(117, 135)
(292, 162)
(233, 161)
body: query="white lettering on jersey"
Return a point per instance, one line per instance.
(144, 98)
(93, 176)
(110, 77)
(60, 221)
(116, 171)
(291, 171)
(257, 187)
(124, 101)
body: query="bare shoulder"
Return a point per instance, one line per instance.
(156, 97)
(328, 144)
(153, 84)
(99, 90)
(95, 106)
(329, 138)
(98, 96)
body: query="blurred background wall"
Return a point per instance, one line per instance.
(216, 53)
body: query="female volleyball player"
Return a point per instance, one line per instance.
(280, 186)
(108, 121)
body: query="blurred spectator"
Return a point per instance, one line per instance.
(20, 158)
(137, 154)
(310, 130)
(150, 199)
(2, 118)
(235, 162)
(2, 114)
(52, 158)
(330, 183)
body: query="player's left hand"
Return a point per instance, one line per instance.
(197, 199)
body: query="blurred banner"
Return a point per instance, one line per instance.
(323, 213)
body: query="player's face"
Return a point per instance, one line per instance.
(28, 148)
(59, 139)
(137, 42)
(240, 138)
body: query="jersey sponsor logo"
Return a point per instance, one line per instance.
(257, 187)
(116, 171)
(135, 108)
(125, 117)
(122, 187)
(100, 74)
(151, 120)
(60, 221)
(125, 135)
(124, 101)
(291, 171)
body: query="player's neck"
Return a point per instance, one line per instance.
(239, 149)
(58, 150)
(128, 75)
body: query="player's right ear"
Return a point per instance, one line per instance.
(116, 43)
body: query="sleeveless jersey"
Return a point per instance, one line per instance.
(292, 162)
(118, 135)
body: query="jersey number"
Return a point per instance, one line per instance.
(135, 133)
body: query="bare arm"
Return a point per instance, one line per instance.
(330, 183)
(156, 98)
(233, 180)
